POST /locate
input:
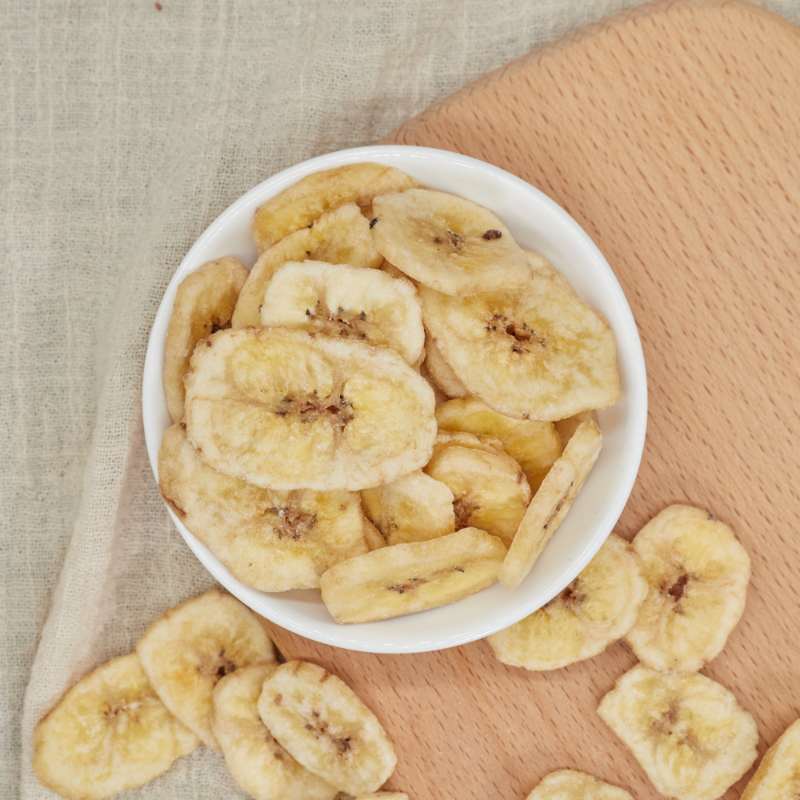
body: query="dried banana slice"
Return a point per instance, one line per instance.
(688, 733)
(596, 609)
(256, 761)
(414, 508)
(110, 732)
(569, 784)
(438, 394)
(270, 540)
(476, 441)
(383, 796)
(412, 577)
(533, 353)
(778, 774)
(448, 243)
(339, 237)
(566, 427)
(203, 305)
(535, 446)
(392, 271)
(551, 503)
(349, 302)
(372, 536)
(301, 204)
(325, 727)
(187, 650)
(292, 410)
(490, 490)
(698, 575)
(440, 371)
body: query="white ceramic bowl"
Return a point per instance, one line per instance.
(536, 223)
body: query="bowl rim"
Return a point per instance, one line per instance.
(624, 325)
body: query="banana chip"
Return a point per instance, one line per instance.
(532, 353)
(408, 578)
(565, 428)
(336, 300)
(778, 774)
(447, 242)
(414, 508)
(187, 650)
(292, 410)
(372, 536)
(203, 305)
(341, 236)
(475, 441)
(490, 490)
(688, 733)
(326, 728)
(551, 503)
(533, 445)
(110, 732)
(256, 761)
(596, 609)
(301, 204)
(698, 575)
(443, 376)
(383, 796)
(270, 540)
(568, 784)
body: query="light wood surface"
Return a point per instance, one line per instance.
(672, 135)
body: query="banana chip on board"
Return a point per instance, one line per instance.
(551, 503)
(413, 577)
(569, 784)
(268, 539)
(448, 243)
(110, 732)
(339, 237)
(189, 648)
(689, 734)
(597, 608)
(292, 410)
(349, 302)
(536, 352)
(303, 203)
(443, 376)
(698, 575)
(255, 759)
(778, 774)
(203, 305)
(326, 728)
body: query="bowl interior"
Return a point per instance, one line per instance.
(537, 224)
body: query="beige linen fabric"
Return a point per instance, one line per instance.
(124, 131)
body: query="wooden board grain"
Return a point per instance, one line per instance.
(672, 135)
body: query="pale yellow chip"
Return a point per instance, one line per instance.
(569, 784)
(372, 536)
(204, 304)
(304, 202)
(268, 539)
(443, 376)
(551, 503)
(339, 237)
(778, 774)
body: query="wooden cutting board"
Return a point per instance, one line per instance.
(672, 134)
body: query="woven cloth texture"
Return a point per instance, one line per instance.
(125, 129)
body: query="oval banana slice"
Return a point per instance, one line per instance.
(372, 536)
(698, 575)
(110, 732)
(778, 774)
(535, 446)
(268, 539)
(448, 243)
(551, 503)
(689, 734)
(341, 236)
(569, 784)
(597, 608)
(490, 490)
(292, 410)
(187, 650)
(413, 577)
(565, 428)
(414, 508)
(383, 796)
(533, 353)
(203, 305)
(348, 302)
(325, 727)
(443, 376)
(255, 759)
(301, 204)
